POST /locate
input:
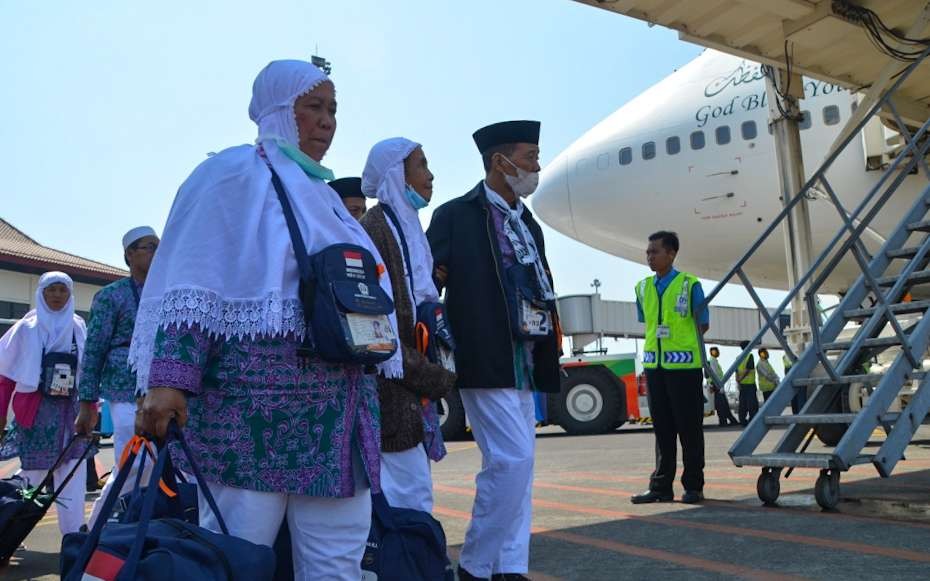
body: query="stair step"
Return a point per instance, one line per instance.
(897, 309)
(919, 277)
(922, 226)
(902, 253)
(873, 342)
(872, 379)
(823, 419)
(799, 460)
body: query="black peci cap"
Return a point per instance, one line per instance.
(506, 132)
(348, 187)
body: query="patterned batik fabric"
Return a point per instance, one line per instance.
(260, 421)
(39, 446)
(105, 371)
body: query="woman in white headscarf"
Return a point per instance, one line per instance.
(43, 424)
(398, 175)
(219, 326)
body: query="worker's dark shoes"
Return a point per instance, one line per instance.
(509, 577)
(466, 576)
(652, 496)
(692, 497)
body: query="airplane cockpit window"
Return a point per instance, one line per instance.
(748, 130)
(697, 140)
(626, 156)
(672, 145)
(805, 120)
(649, 150)
(722, 135)
(831, 115)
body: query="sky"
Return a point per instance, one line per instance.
(109, 108)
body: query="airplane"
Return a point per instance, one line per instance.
(694, 154)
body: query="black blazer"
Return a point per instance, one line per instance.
(462, 238)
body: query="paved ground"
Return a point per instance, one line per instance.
(587, 529)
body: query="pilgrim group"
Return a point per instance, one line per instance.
(299, 341)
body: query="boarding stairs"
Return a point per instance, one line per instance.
(876, 319)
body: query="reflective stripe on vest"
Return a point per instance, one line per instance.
(765, 384)
(681, 350)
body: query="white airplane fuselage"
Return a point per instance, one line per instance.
(611, 189)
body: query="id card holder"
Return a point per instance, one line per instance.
(371, 332)
(663, 332)
(62, 381)
(535, 321)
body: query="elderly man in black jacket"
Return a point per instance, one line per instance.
(490, 257)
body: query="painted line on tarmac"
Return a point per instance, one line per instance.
(462, 449)
(634, 551)
(889, 552)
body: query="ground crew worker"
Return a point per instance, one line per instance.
(746, 379)
(667, 304)
(768, 379)
(724, 415)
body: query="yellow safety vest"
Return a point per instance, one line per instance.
(750, 378)
(679, 347)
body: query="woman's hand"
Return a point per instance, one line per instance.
(87, 418)
(158, 407)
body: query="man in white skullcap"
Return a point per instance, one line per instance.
(105, 372)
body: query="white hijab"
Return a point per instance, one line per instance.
(225, 261)
(383, 178)
(41, 329)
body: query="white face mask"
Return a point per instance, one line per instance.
(524, 183)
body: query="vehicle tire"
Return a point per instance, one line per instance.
(452, 420)
(590, 401)
(831, 434)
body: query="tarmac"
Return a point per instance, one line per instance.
(585, 527)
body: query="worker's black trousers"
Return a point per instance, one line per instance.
(748, 404)
(676, 404)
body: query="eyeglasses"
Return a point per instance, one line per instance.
(150, 247)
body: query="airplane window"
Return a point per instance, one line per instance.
(748, 130)
(697, 140)
(831, 115)
(722, 134)
(854, 106)
(649, 150)
(603, 161)
(672, 145)
(626, 156)
(805, 120)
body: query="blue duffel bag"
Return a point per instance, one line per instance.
(164, 548)
(404, 545)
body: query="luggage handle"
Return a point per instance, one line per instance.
(49, 475)
(148, 504)
(93, 538)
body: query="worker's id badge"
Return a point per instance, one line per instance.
(62, 380)
(371, 332)
(534, 320)
(663, 332)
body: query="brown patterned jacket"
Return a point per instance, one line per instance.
(401, 408)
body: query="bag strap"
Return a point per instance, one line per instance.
(307, 288)
(93, 538)
(135, 291)
(59, 488)
(128, 571)
(406, 250)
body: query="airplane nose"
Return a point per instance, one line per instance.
(551, 201)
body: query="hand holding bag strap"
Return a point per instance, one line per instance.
(93, 538)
